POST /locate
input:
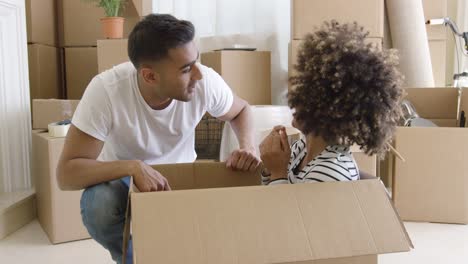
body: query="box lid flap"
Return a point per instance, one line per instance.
(434, 103)
(266, 224)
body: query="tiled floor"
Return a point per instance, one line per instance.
(434, 244)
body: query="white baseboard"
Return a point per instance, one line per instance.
(16, 210)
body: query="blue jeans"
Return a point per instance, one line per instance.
(103, 208)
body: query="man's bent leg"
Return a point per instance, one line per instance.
(103, 208)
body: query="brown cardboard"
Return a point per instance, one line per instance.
(434, 9)
(111, 52)
(80, 69)
(44, 72)
(248, 73)
(437, 49)
(432, 185)
(306, 15)
(45, 112)
(41, 22)
(58, 211)
(79, 22)
(261, 224)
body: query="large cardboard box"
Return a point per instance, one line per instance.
(44, 72)
(216, 216)
(45, 112)
(294, 48)
(434, 9)
(111, 52)
(438, 52)
(307, 14)
(80, 69)
(41, 22)
(79, 22)
(248, 73)
(58, 211)
(432, 185)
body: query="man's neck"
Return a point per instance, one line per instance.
(151, 97)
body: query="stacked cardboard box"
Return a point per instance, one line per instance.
(58, 211)
(43, 54)
(437, 37)
(248, 73)
(308, 15)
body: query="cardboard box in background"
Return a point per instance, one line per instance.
(80, 69)
(79, 22)
(41, 22)
(261, 224)
(44, 72)
(437, 49)
(45, 111)
(306, 14)
(111, 52)
(435, 9)
(432, 185)
(58, 211)
(248, 73)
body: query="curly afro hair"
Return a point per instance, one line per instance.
(346, 90)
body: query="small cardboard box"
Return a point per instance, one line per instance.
(434, 9)
(111, 52)
(79, 22)
(248, 73)
(216, 216)
(80, 69)
(44, 72)
(41, 21)
(46, 111)
(306, 15)
(58, 211)
(432, 184)
(438, 52)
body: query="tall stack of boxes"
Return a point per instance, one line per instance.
(62, 39)
(44, 57)
(437, 37)
(307, 15)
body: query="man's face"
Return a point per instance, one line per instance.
(179, 73)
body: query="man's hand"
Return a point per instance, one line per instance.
(148, 179)
(243, 159)
(275, 153)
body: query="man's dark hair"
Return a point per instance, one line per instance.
(153, 36)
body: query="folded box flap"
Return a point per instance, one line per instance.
(266, 224)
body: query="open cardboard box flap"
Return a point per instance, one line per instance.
(260, 224)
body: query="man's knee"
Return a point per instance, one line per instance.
(104, 205)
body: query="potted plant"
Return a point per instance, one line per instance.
(112, 24)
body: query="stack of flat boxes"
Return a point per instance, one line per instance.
(306, 15)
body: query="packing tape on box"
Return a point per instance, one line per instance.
(58, 129)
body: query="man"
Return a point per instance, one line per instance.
(145, 112)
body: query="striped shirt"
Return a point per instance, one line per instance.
(334, 163)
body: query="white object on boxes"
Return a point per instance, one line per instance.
(265, 118)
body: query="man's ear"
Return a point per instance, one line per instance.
(149, 76)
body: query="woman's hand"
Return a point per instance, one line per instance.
(275, 153)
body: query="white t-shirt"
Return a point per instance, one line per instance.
(113, 110)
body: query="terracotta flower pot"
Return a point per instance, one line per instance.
(112, 27)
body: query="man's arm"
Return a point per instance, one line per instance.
(78, 167)
(241, 121)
